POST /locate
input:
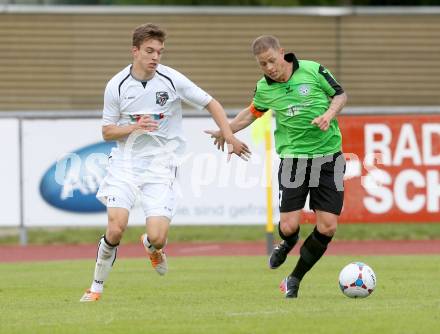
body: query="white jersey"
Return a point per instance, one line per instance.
(126, 98)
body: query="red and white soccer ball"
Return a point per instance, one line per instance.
(357, 280)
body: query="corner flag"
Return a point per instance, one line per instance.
(262, 129)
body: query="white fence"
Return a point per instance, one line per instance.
(210, 190)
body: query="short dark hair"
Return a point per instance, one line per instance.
(264, 43)
(148, 31)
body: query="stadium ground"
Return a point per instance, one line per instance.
(219, 295)
(68, 252)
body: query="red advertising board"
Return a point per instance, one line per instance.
(393, 168)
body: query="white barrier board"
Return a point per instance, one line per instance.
(9, 173)
(211, 191)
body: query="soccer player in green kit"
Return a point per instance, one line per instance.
(306, 100)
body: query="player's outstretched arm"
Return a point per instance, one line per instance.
(242, 120)
(234, 145)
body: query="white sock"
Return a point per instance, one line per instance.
(147, 244)
(104, 261)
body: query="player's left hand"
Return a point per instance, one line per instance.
(323, 121)
(235, 146)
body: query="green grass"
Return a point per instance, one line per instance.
(216, 233)
(219, 295)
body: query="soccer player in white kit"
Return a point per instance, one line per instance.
(143, 113)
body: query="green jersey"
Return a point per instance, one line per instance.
(305, 96)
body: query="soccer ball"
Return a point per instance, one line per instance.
(357, 280)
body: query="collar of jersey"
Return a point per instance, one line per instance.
(136, 79)
(290, 58)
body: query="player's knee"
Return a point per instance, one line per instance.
(157, 240)
(327, 228)
(331, 230)
(288, 225)
(114, 233)
(327, 223)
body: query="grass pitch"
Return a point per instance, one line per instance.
(220, 233)
(212, 295)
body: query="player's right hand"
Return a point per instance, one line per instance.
(218, 138)
(145, 122)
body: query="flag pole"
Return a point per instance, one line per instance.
(269, 195)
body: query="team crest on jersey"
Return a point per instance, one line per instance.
(161, 98)
(304, 90)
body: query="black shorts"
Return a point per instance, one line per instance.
(323, 177)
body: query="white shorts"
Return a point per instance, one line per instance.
(156, 199)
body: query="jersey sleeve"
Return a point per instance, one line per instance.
(190, 92)
(110, 112)
(328, 83)
(258, 107)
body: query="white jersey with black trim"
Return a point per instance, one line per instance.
(126, 98)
